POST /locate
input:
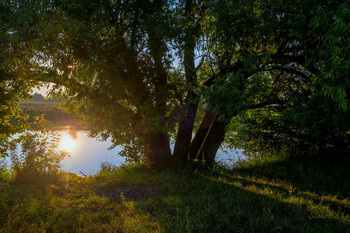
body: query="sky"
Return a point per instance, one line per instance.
(42, 91)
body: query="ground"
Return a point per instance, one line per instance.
(265, 196)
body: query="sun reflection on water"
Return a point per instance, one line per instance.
(68, 144)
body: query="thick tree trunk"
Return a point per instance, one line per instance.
(157, 150)
(213, 140)
(184, 133)
(201, 134)
(208, 138)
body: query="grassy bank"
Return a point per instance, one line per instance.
(259, 196)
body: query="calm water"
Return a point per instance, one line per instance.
(87, 154)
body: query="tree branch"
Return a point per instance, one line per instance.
(230, 69)
(267, 103)
(289, 70)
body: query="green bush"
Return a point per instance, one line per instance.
(38, 160)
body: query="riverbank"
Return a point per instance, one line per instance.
(52, 112)
(267, 195)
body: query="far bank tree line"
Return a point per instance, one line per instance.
(49, 108)
(271, 76)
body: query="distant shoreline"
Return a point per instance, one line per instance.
(56, 116)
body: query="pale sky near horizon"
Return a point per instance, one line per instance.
(43, 91)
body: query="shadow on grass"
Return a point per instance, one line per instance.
(222, 202)
(319, 175)
(285, 190)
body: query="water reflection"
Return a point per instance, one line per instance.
(88, 153)
(68, 143)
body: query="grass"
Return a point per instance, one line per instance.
(265, 195)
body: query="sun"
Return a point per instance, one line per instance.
(67, 143)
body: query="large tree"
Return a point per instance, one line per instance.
(112, 63)
(278, 67)
(130, 70)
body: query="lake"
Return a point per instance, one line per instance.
(87, 154)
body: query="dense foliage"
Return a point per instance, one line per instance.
(11, 88)
(271, 75)
(306, 74)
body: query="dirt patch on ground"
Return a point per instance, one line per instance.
(130, 192)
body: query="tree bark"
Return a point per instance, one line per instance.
(157, 150)
(213, 140)
(184, 133)
(208, 138)
(201, 134)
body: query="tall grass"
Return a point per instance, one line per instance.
(269, 195)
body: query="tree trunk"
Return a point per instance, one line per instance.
(209, 137)
(201, 134)
(184, 133)
(213, 140)
(157, 150)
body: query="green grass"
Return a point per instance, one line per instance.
(266, 195)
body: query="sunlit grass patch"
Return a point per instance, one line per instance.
(77, 209)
